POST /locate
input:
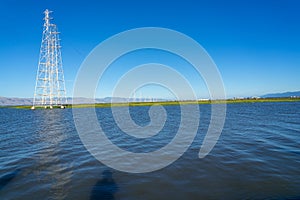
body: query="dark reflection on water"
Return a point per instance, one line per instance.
(105, 188)
(5, 179)
(256, 157)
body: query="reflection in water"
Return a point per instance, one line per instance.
(4, 180)
(105, 188)
(51, 169)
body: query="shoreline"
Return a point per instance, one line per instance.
(166, 103)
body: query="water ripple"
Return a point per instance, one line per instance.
(256, 157)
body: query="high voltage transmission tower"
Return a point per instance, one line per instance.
(50, 88)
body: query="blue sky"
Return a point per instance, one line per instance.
(255, 44)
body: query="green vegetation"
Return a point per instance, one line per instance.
(168, 103)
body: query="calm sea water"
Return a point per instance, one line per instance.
(256, 157)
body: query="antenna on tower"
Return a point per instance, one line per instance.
(50, 87)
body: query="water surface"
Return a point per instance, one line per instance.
(256, 157)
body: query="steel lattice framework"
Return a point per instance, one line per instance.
(50, 84)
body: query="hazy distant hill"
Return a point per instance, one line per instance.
(82, 100)
(12, 101)
(285, 94)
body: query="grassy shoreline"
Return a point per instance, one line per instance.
(168, 103)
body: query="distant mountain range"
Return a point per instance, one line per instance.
(285, 94)
(12, 101)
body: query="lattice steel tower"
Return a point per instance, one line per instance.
(50, 88)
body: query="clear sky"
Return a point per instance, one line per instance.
(254, 43)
